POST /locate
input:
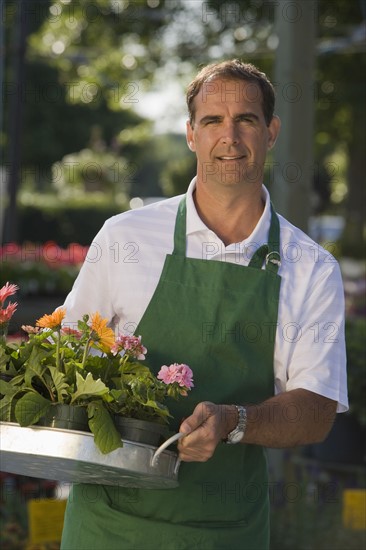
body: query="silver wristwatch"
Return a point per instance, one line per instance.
(238, 432)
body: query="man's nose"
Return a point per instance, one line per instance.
(230, 134)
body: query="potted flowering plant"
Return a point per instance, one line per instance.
(54, 368)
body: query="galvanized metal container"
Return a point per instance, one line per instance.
(72, 456)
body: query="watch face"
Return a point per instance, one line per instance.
(236, 438)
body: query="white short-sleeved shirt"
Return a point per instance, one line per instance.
(124, 264)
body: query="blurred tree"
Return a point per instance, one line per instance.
(177, 174)
(105, 54)
(54, 127)
(59, 113)
(340, 89)
(164, 164)
(103, 49)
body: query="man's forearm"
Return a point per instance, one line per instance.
(297, 417)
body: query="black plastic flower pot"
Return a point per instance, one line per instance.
(141, 431)
(66, 417)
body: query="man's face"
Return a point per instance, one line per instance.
(229, 134)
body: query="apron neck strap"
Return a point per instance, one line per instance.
(180, 229)
(268, 252)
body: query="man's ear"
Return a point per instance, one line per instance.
(190, 136)
(273, 131)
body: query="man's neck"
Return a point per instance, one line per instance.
(232, 216)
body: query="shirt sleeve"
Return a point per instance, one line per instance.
(312, 342)
(91, 290)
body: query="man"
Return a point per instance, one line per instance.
(211, 280)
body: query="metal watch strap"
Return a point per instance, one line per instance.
(240, 427)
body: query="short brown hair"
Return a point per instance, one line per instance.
(234, 69)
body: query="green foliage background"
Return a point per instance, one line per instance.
(88, 65)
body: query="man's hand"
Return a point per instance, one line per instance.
(206, 427)
(296, 417)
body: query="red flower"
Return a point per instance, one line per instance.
(7, 313)
(77, 334)
(6, 291)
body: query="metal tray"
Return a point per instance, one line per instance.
(71, 456)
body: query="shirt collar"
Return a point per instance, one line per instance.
(258, 236)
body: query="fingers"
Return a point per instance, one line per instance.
(197, 446)
(203, 433)
(198, 417)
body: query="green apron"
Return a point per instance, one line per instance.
(220, 319)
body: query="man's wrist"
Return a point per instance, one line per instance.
(236, 434)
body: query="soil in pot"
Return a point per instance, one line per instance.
(66, 417)
(141, 431)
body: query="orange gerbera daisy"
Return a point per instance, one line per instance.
(105, 335)
(52, 321)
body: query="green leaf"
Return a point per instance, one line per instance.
(17, 380)
(83, 324)
(34, 366)
(88, 387)
(6, 408)
(118, 395)
(104, 368)
(106, 436)
(70, 368)
(158, 407)
(136, 369)
(8, 368)
(4, 359)
(60, 384)
(6, 388)
(30, 408)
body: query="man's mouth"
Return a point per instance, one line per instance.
(238, 157)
